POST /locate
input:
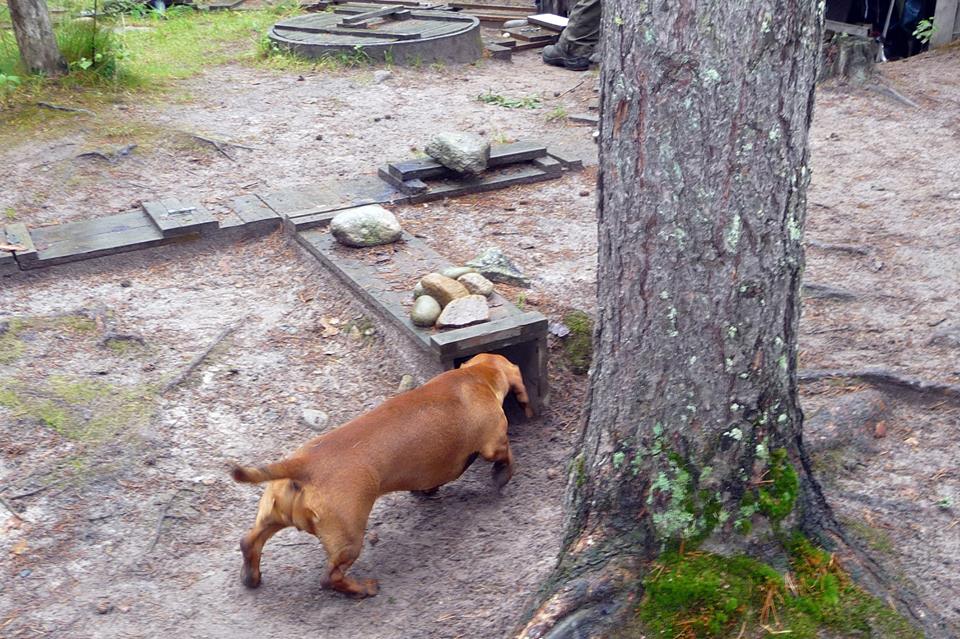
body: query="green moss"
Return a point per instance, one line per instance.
(702, 595)
(578, 346)
(11, 346)
(776, 499)
(579, 470)
(81, 410)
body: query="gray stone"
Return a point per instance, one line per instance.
(512, 24)
(425, 311)
(443, 289)
(406, 383)
(948, 336)
(369, 225)
(454, 272)
(381, 75)
(315, 419)
(464, 311)
(460, 152)
(477, 284)
(497, 267)
(418, 290)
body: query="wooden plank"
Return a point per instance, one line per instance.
(18, 235)
(500, 155)
(174, 217)
(333, 195)
(499, 52)
(495, 334)
(532, 34)
(549, 165)
(406, 186)
(360, 18)
(568, 160)
(549, 21)
(529, 175)
(947, 18)
(88, 239)
(844, 27)
(584, 118)
(254, 213)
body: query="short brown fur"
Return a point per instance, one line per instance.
(416, 441)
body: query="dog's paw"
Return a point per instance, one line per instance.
(249, 578)
(371, 587)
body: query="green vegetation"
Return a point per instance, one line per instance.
(529, 102)
(559, 113)
(775, 495)
(578, 345)
(702, 595)
(925, 30)
(79, 409)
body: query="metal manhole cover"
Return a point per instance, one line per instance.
(398, 34)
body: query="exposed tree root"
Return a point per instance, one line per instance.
(585, 607)
(57, 107)
(884, 378)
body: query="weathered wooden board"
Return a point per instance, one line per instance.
(332, 195)
(533, 34)
(76, 241)
(500, 155)
(569, 161)
(255, 215)
(523, 174)
(174, 217)
(18, 235)
(549, 21)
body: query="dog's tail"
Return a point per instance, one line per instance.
(287, 469)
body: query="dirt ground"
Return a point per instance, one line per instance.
(127, 522)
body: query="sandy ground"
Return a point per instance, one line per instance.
(133, 526)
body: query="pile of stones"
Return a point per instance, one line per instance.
(454, 297)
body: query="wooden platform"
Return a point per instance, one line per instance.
(384, 278)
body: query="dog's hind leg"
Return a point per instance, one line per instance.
(251, 545)
(343, 542)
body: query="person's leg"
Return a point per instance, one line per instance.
(579, 39)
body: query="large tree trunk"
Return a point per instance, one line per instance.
(34, 33)
(693, 407)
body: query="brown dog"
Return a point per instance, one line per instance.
(416, 441)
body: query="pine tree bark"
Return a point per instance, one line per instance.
(693, 406)
(35, 38)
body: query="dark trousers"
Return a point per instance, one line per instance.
(582, 34)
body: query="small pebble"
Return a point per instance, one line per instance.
(104, 607)
(584, 193)
(25, 572)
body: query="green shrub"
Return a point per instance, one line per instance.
(90, 48)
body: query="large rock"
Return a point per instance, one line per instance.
(477, 284)
(460, 152)
(425, 311)
(443, 289)
(369, 225)
(455, 272)
(464, 311)
(497, 267)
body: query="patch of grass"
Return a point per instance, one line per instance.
(528, 102)
(578, 345)
(90, 48)
(80, 409)
(559, 113)
(701, 595)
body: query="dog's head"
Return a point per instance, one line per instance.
(508, 371)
